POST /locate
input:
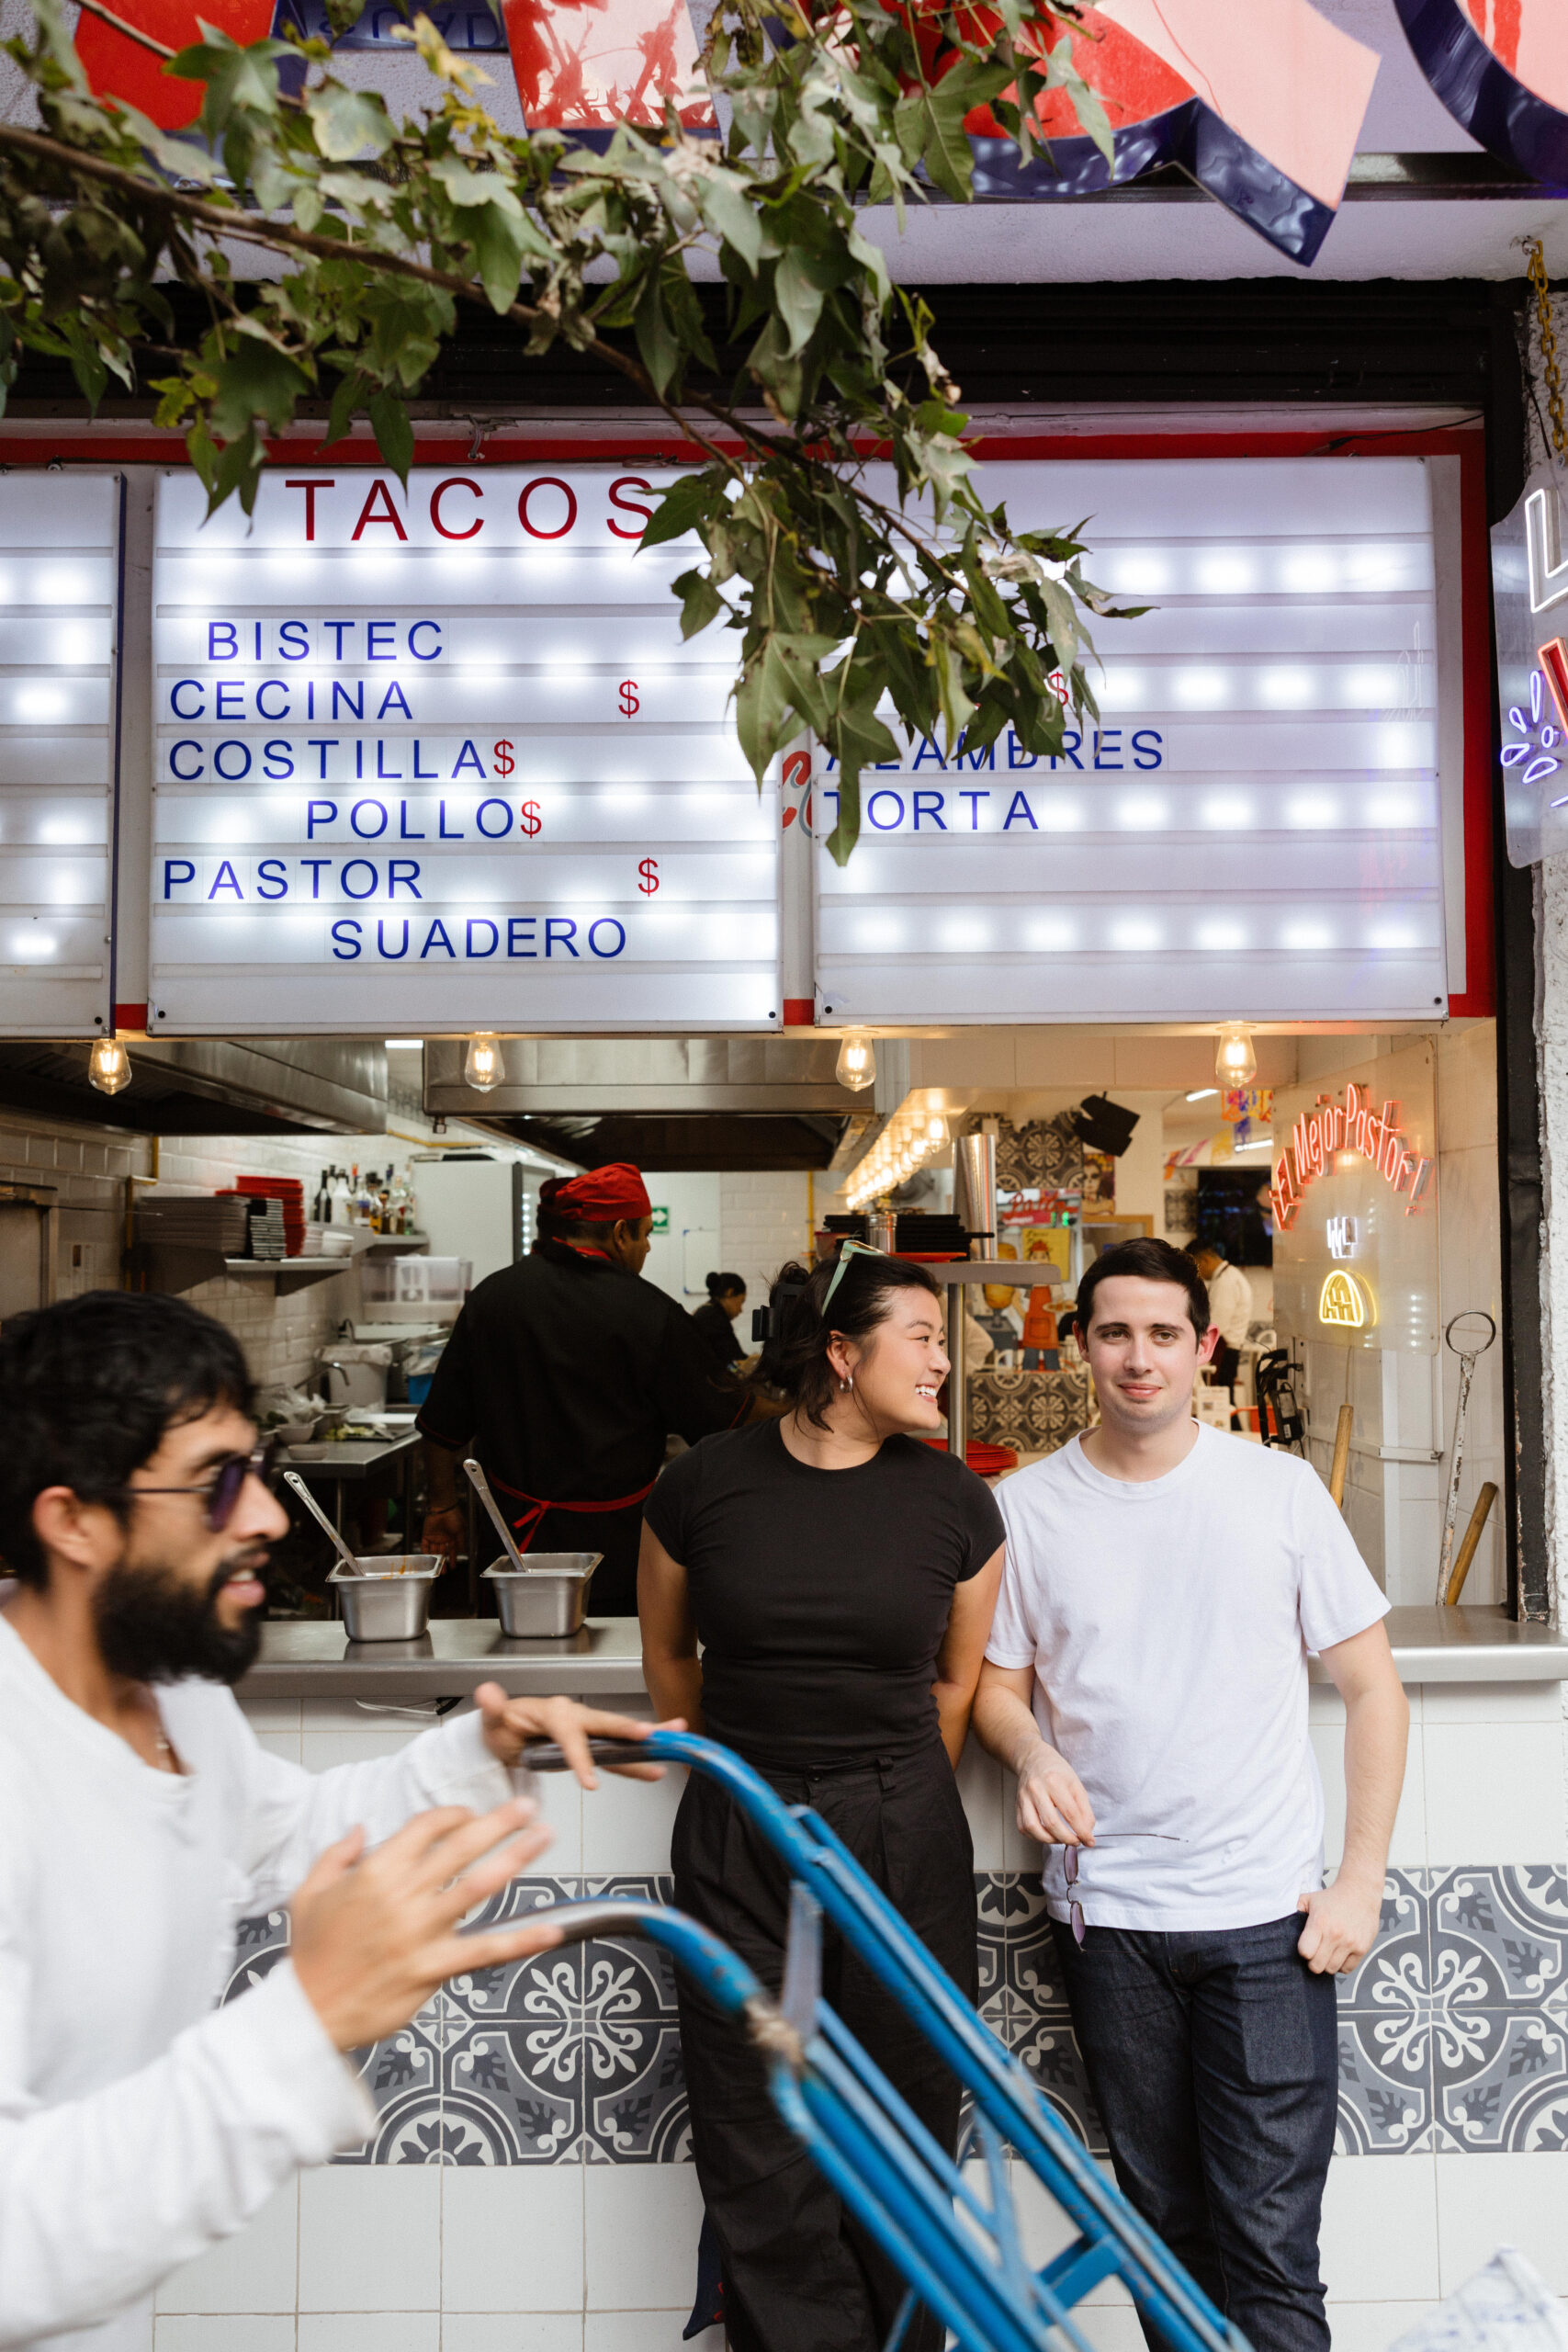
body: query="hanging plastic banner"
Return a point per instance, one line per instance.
(1501, 69)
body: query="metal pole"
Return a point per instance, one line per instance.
(957, 1394)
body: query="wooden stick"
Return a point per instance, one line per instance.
(1342, 1455)
(1483, 1502)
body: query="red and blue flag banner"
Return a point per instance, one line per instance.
(1267, 125)
(1501, 69)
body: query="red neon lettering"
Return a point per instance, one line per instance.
(629, 505)
(548, 481)
(387, 514)
(310, 489)
(1553, 659)
(455, 481)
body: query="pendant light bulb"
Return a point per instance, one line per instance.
(856, 1066)
(108, 1066)
(1235, 1064)
(484, 1066)
(936, 1132)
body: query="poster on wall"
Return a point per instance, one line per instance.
(1354, 1201)
(438, 758)
(1257, 819)
(59, 606)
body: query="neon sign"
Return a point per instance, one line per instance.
(1351, 1126)
(1343, 1303)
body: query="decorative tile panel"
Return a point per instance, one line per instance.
(1453, 2033)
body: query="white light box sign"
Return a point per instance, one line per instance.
(439, 760)
(59, 633)
(1256, 824)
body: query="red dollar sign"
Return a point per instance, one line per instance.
(629, 703)
(649, 869)
(530, 818)
(505, 762)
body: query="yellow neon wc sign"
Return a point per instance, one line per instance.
(1343, 1302)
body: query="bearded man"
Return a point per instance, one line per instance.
(140, 2124)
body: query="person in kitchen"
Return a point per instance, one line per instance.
(716, 1320)
(564, 1376)
(1230, 1304)
(140, 2124)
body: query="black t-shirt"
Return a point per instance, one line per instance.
(565, 1374)
(821, 1596)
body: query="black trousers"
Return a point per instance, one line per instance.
(799, 2275)
(1214, 2059)
(616, 1534)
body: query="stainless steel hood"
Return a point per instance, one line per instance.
(211, 1085)
(643, 1076)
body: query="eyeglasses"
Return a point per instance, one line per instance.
(223, 1489)
(1070, 1868)
(848, 1249)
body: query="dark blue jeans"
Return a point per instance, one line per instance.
(1213, 2062)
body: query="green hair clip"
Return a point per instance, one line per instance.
(847, 1250)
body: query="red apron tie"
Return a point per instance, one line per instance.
(527, 1524)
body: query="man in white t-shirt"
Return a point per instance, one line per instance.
(1146, 1680)
(139, 2124)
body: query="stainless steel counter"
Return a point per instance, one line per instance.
(605, 1661)
(319, 1661)
(1433, 1644)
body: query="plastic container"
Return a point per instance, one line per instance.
(387, 1601)
(548, 1599)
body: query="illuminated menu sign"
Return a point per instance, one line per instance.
(438, 757)
(1256, 821)
(59, 650)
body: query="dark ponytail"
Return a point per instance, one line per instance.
(719, 1285)
(794, 1353)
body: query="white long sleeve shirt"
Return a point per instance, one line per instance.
(1230, 1304)
(139, 2124)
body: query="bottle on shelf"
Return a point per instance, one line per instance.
(322, 1206)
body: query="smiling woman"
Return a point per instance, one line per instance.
(839, 1576)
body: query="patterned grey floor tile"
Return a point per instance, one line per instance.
(1499, 1937)
(1386, 2032)
(1502, 2079)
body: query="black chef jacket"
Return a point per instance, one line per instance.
(564, 1375)
(719, 1329)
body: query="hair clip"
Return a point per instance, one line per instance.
(847, 1250)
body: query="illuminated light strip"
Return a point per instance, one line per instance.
(1350, 1126)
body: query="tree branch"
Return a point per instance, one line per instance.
(121, 25)
(282, 237)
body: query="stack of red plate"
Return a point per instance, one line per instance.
(987, 1460)
(291, 1193)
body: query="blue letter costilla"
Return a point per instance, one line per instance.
(249, 719)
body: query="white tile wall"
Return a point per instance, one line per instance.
(643, 2222)
(764, 1219)
(235, 2335)
(511, 2238)
(257, 2270)
(1483, 1776)
(370, 2239)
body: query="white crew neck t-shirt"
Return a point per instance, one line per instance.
(1168, 1625)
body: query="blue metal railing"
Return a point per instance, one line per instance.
(962, 2256)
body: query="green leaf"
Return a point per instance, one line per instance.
(680, 510)
(394, 433)
(348, 124)
(930, 123)
(700, 602)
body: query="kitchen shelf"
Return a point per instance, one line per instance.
(169, 1267)
(395, 1244)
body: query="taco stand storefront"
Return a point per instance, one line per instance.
(435, 761)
